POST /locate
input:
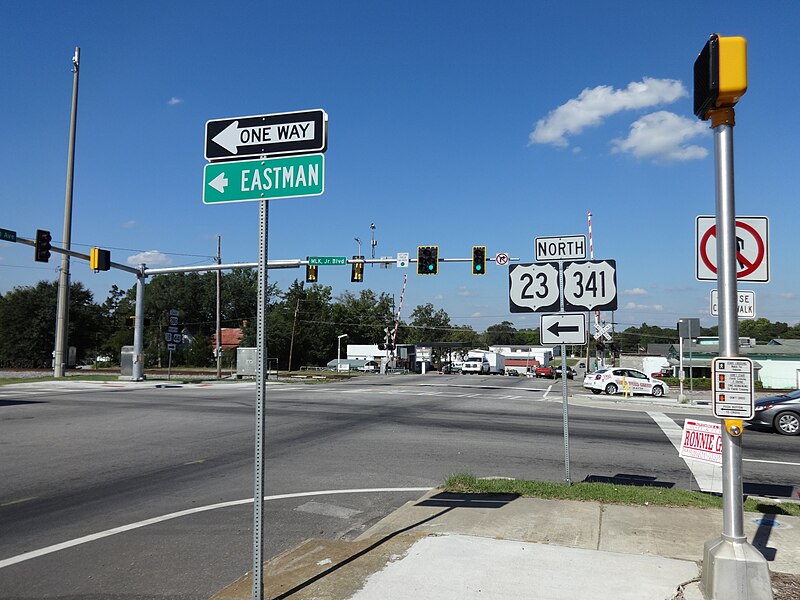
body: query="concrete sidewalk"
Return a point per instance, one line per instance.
(490, 546)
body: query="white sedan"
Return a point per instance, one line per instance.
(620, 379)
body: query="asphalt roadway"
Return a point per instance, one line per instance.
(83, 459)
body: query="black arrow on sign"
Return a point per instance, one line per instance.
(556, 329)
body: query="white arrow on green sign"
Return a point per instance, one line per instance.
(327, 261)
(265, 179)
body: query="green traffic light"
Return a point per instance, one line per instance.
(430, 267)
(478, 267)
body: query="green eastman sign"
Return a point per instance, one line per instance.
(327, 261)
(264, 179)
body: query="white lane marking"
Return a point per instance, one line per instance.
(708, 476)
(771, 462)
(182, 513)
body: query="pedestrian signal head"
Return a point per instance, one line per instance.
(720, 74)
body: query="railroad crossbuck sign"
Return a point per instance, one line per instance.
(588, 285)
(752, 249)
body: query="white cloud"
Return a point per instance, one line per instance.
(151, 258)
(438, 297)
(648, 307)
(636, 292)
(475, 314)
(465, 291)
(664, 135)
(595, 104)
(129, 224)
(173, 101)
(788, 295)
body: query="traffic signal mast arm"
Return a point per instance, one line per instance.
(74, 254)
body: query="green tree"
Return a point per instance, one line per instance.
(363, 317)
(428, 325)
(501, 334)
(27, 322)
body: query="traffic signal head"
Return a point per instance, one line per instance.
(311, 273)
(720, 74)
(43, 238)
(99, 260)
(479, 260)
(357, 273)
(427, 260)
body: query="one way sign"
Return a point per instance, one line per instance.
(284, 133)
(563, 329)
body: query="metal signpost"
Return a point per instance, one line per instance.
(732, 568)
(300, 133)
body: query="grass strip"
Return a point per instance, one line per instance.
(609, 493)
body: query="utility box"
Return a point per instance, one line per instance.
(246, 362)
(126, 362)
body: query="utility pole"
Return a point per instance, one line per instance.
(291, 342)
(60, 355)
(374, 241)
(219, 311)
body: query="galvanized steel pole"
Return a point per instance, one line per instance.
(732, 568)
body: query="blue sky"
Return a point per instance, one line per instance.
(454, 124)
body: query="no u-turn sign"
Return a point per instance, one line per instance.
(752, 249)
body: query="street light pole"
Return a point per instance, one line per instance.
(358, 241)
(339, 352)
(61, 354)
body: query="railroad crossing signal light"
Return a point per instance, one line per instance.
(311, 273)
(99, 260)
(479, 260)
(43, 246)
(427, 260)
(357, 273)
(720, 74)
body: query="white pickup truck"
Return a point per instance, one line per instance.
(475, 365)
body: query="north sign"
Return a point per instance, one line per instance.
(563, 329)
(269, 178)
(752, 249)
(260, 135)
(563, 247)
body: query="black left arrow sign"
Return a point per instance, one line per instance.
(556, 329)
